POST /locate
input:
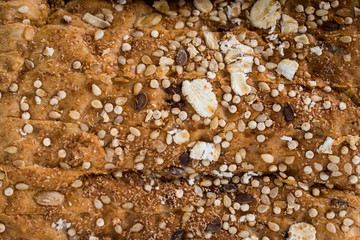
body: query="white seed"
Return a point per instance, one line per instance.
(76, 65)
(21, 186)
(23, 9)
(137, 227)
(268, 158)
(331, 227)
(46, 142)
(2, 227)
(273, 226)
(8, 191)
(75, 115)
(100, 222)
(96, 90)
(96, 104)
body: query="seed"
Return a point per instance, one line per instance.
(178, 235)
(273, 226)
(176, 171)
(263, 208)
(137, 227)
(21, 186)
(268, 158)
(243, 198)
(229, 188)
(118, 229)
(137, 88)
(206, 183)
(185, 159)
(321, 12)
(29, 64)
(23, 9)
(96, 90)
(49, 198)
(2, 227)
(345, 39)
(54, 115)
(100, 222)
(288, 112)
(214, 226)
(98, 204)
(227, 201)
(77, 183)
(74, 115)
(11, 150)
(330, 26)
(140, 101)
(204, 6)
(28, 128)
(222, 28)
(149, 20)
(150, 70)
(8, 191)
(46, 142)
(135, 132)
(127, 205)
(181, 57)
(331, 227)
(76, 65)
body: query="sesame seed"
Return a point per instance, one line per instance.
(28, 128)
(154, 34)
(126, 47)
(342, 106)
(2, 227)
(23, 9)
(100, 222)
(46, 142)
(96, 104)
(13, 87)
(330, 227)
(8, 191)
(76, 65)
(273, 226)
(62, 94)
(75, 115)
(313, 212)
(37, 84)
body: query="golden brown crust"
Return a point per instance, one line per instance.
(103, 135)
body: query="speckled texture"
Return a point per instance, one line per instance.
(127, 153)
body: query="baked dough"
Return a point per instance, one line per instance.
(100, 138)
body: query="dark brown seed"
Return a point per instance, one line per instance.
(174, 88)
(338, 204)
(333, 48)
(233, 24)
(178, 235)
(176, 171)
(223, 28)
(288, 112)
(140, 101)
(181, 57)
(229, 188)
(330, 26)
(185, 159)
(214, 227)
(243, 198)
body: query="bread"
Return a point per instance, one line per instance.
(179, 119)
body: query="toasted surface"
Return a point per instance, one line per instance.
(179, 119)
